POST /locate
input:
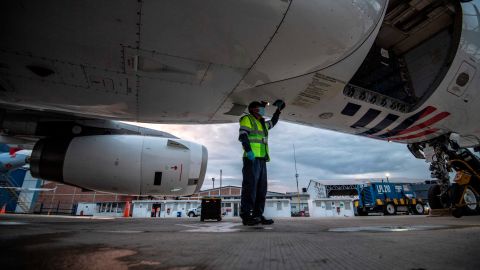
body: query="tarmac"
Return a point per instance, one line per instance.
(373, 242)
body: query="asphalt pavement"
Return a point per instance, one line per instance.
(374, 242)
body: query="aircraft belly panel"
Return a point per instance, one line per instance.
(314, 35)
(82, 32)
(227, 32)
(169, 101)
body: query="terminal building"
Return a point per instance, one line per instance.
(332, 198)
(20, 193)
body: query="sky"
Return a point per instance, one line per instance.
(320, 154)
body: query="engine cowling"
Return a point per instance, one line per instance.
(126, 164)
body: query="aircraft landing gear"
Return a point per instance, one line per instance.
(463, 196)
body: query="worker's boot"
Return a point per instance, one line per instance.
(265, 221)
(250, 220)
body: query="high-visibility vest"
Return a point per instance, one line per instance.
(257, 135)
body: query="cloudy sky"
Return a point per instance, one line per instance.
(321, 155)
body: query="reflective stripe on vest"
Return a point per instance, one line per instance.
(257, 136)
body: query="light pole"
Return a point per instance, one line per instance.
(387, 175)
(213, 181)
(220, 190)
(296, 177)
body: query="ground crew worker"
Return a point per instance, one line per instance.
(254, 139)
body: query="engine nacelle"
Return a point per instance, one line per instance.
(126, 164)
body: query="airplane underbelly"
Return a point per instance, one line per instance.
(168, 61)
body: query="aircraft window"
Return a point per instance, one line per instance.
(158, 179)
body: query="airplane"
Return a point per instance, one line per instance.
(399, 71)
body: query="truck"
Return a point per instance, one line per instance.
(387, 198)
(194, 212)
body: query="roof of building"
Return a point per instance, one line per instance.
(337, 182)
(217, 188)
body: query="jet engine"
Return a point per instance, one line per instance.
(127, 164)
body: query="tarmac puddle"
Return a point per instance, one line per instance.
(222, 227)
(124, 231)
(9, 223)
(389, 228)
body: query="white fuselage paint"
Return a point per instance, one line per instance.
(190, 61)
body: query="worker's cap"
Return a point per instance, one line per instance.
(256, 104)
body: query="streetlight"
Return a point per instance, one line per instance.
(213, 181)
(387, 175)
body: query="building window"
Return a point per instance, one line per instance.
(328, 206)
(318, 204)
(347, 206)
(279, 205)
(269, 204)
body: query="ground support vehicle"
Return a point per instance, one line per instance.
(211, 209)
(462, 196)
(388, 198)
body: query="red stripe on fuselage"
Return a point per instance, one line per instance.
(414, 136)
(425, 124)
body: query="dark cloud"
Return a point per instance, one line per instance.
(320, 154)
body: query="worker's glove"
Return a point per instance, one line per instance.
(280, 104)
(251, 155)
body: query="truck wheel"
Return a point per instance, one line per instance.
(418, 209)
(361, 212)
(390, 209)
(433, 197)
(471, 200)
(191, 214)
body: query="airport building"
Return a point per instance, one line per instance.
(19, 191)
(64, 199)
(332, 198)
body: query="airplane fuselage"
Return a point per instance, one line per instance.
(389, 71)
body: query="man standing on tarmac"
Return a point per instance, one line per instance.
(254, 138)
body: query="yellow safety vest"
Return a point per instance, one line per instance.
(257, 136)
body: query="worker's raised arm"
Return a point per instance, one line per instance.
(272, 122)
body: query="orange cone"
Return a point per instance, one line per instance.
(4, 209)
(126, 211)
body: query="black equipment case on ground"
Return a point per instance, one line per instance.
(211, 209)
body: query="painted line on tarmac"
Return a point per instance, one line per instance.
(119, 231)
(222, 227)
(389, 228)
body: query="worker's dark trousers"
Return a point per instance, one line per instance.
(254, 187)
